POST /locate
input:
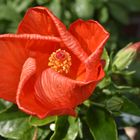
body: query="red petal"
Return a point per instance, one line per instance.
(77, 70)
(40, 20)
(94, 67)
(92, 37)
(51, 93)
(34, 42)
(59, 92)
(90, 34)
(26, 100)
(13, 54)
(37, 21)
(12, 57)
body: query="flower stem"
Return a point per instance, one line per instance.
(35, 134)
(98, 105)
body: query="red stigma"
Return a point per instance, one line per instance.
(60, 55)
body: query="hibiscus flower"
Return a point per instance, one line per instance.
(47, 69)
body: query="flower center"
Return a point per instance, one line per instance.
(60, 61)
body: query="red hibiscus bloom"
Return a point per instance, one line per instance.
(48, 70)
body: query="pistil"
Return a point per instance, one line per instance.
(60, 61)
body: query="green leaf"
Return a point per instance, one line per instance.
(103, 15)
(84, 8)
(98, 3)
(9, 19)
(55, 6)
(40, 2)
(114, 104)
(29, 134)
(60, 128)
(34, 121)
(66, 128)
(101, 124)
(4, 105)
(127, 89)
(35, 133)
(130, 107)
(18, 5)
(119, 13)
(85, 132)
(105, 82)
(106, 58)
(9, 13)
(43, 133)
(73, 129)
(132, 5)
(13, 124)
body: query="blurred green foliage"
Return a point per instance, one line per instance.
(117, 96)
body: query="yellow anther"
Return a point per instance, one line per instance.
(60, 61)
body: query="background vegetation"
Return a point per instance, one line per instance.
(115, 103)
